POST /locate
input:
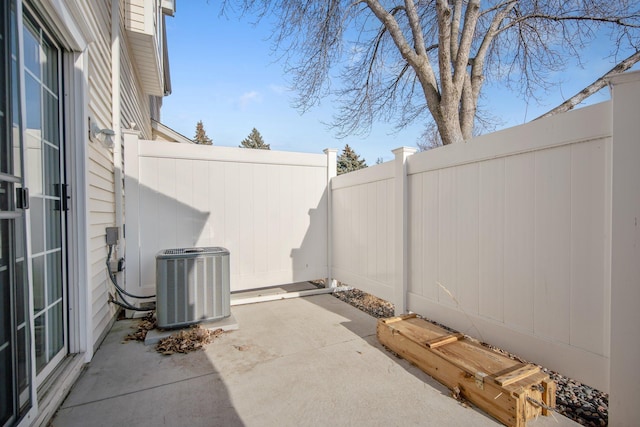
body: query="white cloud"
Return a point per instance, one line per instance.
(249, 98)
(278, 89)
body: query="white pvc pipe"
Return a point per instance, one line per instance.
(287, 295)
(115, 118)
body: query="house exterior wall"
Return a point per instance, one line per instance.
(136, 105)
(100, 165)
(134, 108)
(135, 10)
(106, 197)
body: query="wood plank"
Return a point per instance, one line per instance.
(473, 357)
(399, 318)
(417, 330)
(549, 395)
(437, 342)
(517, 374)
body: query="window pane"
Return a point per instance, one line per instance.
(53, 232)
(6, 348)
(6, 395)
(5, 284)
(51, 119)
(50, 67)
(54, 277)
(15, 93)
(21, 284)
(19, 230)
(51, 170)
(34, 106)
(55, 330)
(23, 364)
(36, 207)
(5, 192)
(37, 265)
(20, 294)
(5, 161)
(15, 102)
(17, 152)
(31, 50)
(41, 345)
(34, 164)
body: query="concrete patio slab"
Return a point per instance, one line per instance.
(298, 362)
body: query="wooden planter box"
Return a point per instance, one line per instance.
(504, 388)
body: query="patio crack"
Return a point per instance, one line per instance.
(136, 391)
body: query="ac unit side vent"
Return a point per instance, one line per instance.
(192, 286)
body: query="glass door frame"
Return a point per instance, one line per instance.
(72, 38)
(17, 307)
(27, 14)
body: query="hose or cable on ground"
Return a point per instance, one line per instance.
(121, 292)
(114, 280)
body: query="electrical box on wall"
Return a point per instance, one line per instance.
(112, 235)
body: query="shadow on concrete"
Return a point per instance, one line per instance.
(354, 324)
(129, 384)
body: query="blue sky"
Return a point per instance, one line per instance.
(224, 73)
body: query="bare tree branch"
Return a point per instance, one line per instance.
(428, 60)
(594, 87)
(455, 27)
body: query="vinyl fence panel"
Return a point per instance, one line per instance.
(268, 208)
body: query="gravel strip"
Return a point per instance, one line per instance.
(574, 400)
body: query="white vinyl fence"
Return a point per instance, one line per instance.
(506, 238)
(526, 238)
(268, 208)
(363, 229)
(509, 240)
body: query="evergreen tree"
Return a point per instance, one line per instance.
(349, 161)
(201, 135)
(254, 140)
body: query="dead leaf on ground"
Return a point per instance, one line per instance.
(187, 340)
(145, 324)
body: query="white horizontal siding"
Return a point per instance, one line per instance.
(135, 109)
(134, 15)
(101, 206)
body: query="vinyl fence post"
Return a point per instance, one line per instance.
(401, 220)
(624, 355)
(332, 161)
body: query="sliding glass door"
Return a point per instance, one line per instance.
(47, 189)
(15, 354)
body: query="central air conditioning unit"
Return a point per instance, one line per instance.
(192, 286)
